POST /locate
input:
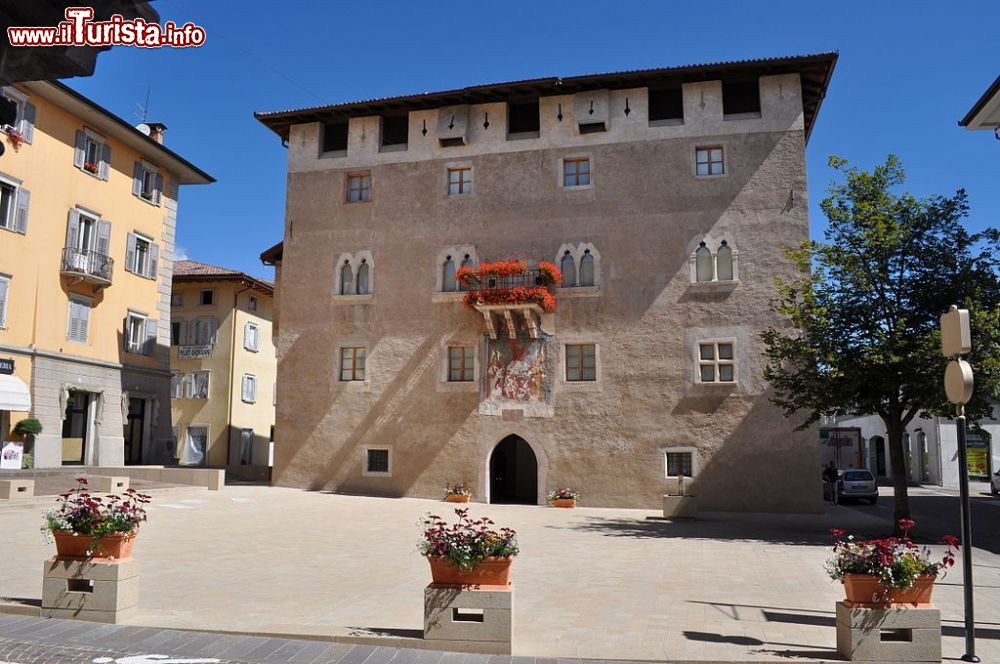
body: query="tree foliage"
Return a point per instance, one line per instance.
(864, 318)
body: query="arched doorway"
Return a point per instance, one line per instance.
(513, 473)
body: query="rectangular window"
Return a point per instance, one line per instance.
(176, 332)
(523, 119)
(147, 183)
(206, 297)
(4, 296)
(252, 303)
(395, 131)
(581, 362)
(196, 447)
(459, 181)
(271, 437)
(177, 299)
(709, 160)
(680, 464)
(359, 187)
(741, 99)
(335, 137)
(352, 363)
(8, 204)
(251, 337)
(461, 364)
(92, 156)
(666, 105)
(10, 111)
(78, 326)
(716, 362)
(140, 258)
(199, 384)
(246, 447)
(377, 462)
(135, 333)
(249, 391)
(576, 172)
(176, 385)
(204, 331)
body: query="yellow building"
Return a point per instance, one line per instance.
(88, 208)
(225, 367)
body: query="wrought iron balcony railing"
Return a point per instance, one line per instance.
(90, 265)
(526, 279)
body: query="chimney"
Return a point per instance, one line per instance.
(156, 130)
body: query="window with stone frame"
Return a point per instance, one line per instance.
(709, 160)
(460, 181)
(352, 363)
(716, 362)
(576, 172)
(359, 187)
(378, 461)
(461, 364)
(680, 464)
(581, 362)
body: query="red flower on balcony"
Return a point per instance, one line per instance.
(90, 167)
(553, 276)
(14, 137)
(539, 295)
(503, 283)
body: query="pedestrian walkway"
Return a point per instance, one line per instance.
(590, 583)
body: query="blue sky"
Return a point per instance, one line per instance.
(908, 72)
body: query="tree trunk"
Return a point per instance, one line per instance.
(897, 457)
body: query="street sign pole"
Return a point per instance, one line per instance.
(956, 340)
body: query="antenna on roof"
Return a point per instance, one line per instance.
(142, 110)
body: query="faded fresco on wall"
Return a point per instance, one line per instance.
(518, 376)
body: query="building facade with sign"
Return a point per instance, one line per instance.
(664, 197)
(88, 209)
(224, 369)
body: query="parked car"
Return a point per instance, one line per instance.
(857, 485)
(995, 484)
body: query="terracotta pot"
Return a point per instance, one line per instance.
(563, 502)
(863, 590)
(490, 572)
(457, 498)
(110, 548)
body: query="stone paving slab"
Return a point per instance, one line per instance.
(606, 584)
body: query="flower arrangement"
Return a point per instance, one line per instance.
(90, 167)
(460, 489)
(539, 295)
(14, 137)
(564, 494)
(466, 543)
(895, 562)
(466, 276)
(550, 273)
(82, 513)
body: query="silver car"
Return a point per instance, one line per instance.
(857, 484)
(995, 484)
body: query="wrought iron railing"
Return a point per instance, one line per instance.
(88, 263)
(526, 279)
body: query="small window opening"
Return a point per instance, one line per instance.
(741, 98)
(523, 119)
(335, 137)
(395, 131)
(666, 104)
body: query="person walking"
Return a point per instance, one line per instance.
(831, 475)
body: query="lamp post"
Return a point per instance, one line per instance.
(956, 340)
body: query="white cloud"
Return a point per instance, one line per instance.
(180, 253)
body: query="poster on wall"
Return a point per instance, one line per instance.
(518, 377)
(11, 455)
(977, 448)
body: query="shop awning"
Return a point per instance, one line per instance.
(14, 394)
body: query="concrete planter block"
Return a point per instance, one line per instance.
(477, 617)
(680, 507)
(17, 489)
(889, 635)
(85, 590)
(108, 483)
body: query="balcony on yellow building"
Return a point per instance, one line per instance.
(88, 266)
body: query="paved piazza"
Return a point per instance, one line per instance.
(591, 583)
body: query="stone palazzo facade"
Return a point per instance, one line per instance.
(664, 196)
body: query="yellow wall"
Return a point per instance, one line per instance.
(38, 304)
(229, 361)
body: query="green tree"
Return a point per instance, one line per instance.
(864, 335)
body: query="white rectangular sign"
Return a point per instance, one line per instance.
(11, 455)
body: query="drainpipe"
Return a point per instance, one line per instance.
(232, 376)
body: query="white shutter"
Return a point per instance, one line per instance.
(4, 288)
(149, 347)
(104, 238)
(154, 260)
(80, 151)
(72, 228)
(28, 123)
(105, 165)
(158, 189)
(84, 309)
(188, 382)
(137, 179)
(182, 329)
(21, 215)
(213, 326)
(249, 388)
(130, 253)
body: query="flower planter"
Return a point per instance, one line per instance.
(864, 591)
(82, 547)
(490, 572)
(458, 498)
(680, 507)
(564, 502)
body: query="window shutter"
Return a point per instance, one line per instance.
(247, 332)
(4, 285)
(28, 123)
(188, 382)
(246, 388)
(126, 335)
(105, 162)
(150, 345)
(137, 179)
(84, 310)
(130, 253)
(255, 338)
(73, 328)
(103, 237)
(158, 189)
(21, 216)
(213, 330)
(72, 227)
(79, 154)
(182, 333)
(154, 260)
